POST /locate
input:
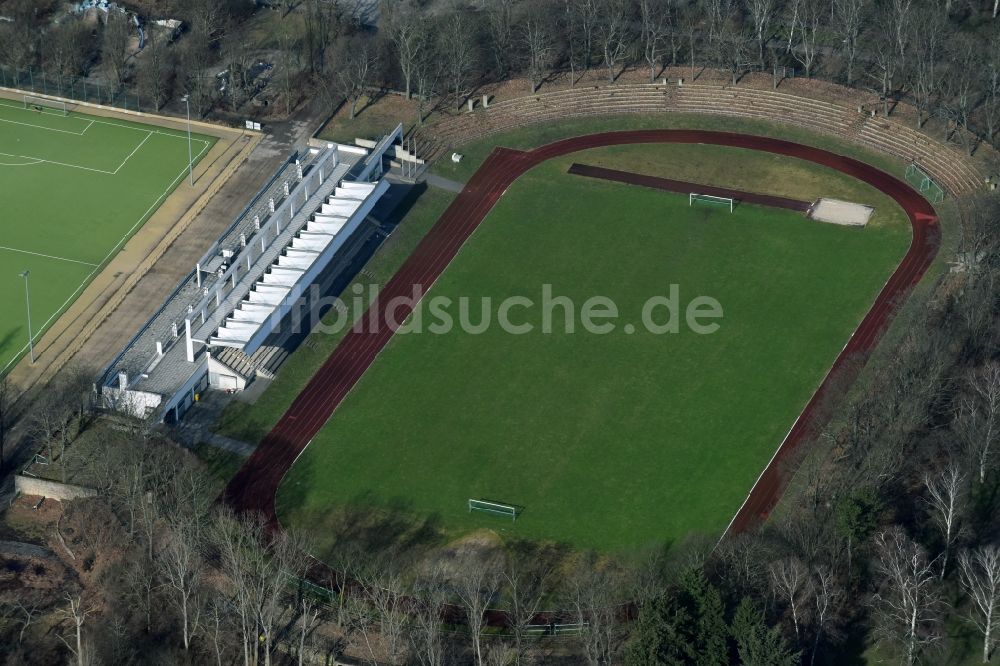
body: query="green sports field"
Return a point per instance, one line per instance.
(74, 188)
(617, 440)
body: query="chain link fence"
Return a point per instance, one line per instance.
(37, 82)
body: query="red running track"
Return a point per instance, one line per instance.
(253, 488)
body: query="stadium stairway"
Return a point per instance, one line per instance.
(948, 166)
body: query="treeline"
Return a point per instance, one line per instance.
(156, 572)
(941, 56)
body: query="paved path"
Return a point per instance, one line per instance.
(434, 180)
(254, 486)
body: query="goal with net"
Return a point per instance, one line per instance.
(919, 178)
(46, 105)
(694, 198)
(493, 507)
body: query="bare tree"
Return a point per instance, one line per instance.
(791, 582)
(115, 46)
(237, 54)
(426, 75)
(569, 27)
(181, 565)
(207, 21)
(525, 587)
(77, 613)
(26, 611)
(477, 583)
(732, 46)
(258, 583)
(6, 413)
(961, 87)
(825, 594)
(309, 614)
(66, 48)
(990, 108)
(811, 17)
(849, 16)
(322, 23)
(425, 630)
(614, 35)
(385, 590)
(356, 66)
(48, 415)
(500, 24)
(761, 17)
(979, 416)
(980, 576)
(885, 58)
(908, 603)
(929, 35)
(141, 585)
(536, 38)
(945, 495)
(408, 32)
(592, 593)
(655, 17)
(289, 66)
(156, 70)
(192, 80)
(457, 48)
(19, 39)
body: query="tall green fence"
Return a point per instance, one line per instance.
(71, 87)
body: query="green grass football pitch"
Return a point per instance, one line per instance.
(607, 441)
(74, 188)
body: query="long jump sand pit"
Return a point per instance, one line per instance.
(844, 213)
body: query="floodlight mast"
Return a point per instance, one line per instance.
(187, 104)
(27, 303)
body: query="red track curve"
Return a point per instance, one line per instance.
(254, 486)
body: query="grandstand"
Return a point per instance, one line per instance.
(207, 332)
(953, 170)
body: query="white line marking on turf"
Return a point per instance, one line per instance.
(47, 256)
(86, 280)
(63, 164)
(36, 161)
(176, 134)
(133, 153)
(51, 129)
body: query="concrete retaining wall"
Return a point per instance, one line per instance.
(29, 485)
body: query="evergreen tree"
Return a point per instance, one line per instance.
(857, 519)
(706, 606)
(756, 643)
(685, 626)
(664, 635)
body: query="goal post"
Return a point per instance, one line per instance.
(496, 508)
(924, 183)
(46, 105)
(695, 197)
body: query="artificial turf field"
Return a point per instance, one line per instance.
(607, 441)
(74, 188)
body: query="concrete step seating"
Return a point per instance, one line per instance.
(944, 163)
